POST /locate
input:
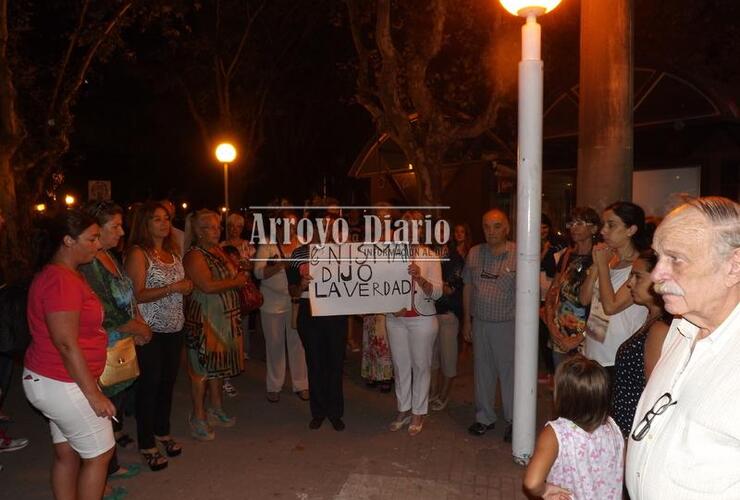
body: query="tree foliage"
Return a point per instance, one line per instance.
(428, 73)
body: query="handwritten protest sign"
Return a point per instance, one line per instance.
(359, 278)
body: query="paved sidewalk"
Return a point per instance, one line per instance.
(271, 453)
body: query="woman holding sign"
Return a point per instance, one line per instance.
(411, 334)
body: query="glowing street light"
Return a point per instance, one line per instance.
(226, 153)
(528, 214)
(40, 208)
(524, 7)
(69, 200)
(184, 206)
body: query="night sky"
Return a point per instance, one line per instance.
(138, 133)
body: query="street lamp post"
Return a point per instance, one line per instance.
(528, 215)
(226, 154)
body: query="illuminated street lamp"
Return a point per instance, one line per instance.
(226, 154)
(184, 206)
(69, 200)
(528, 215)
(40, 208)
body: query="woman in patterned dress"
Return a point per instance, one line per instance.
(155, 267)
(212, 324)
(115, 292)
(377, 363)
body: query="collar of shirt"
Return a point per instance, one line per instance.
(716, 339)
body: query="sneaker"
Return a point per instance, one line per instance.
(229, 388)
(10, 444)
(200, 429)
(217, 416)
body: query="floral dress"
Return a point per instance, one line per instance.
(213, 328)
(589, 464)
(377, 364)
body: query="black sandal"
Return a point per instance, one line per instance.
(171, 447)
(154, 460)
(124, 441)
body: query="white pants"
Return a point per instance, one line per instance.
(71, 418)
(278, 333)
(445, 347)
(412, 342)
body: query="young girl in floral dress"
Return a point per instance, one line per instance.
(580, 455)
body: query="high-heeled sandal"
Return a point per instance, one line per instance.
(415, 429)
(154, 460)
(171, 447)
(398, 424)
(439, 404)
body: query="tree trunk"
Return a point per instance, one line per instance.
(14, 240)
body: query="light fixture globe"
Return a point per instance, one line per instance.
(527, 8)
(225, 152)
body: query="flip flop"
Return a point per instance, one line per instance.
(131, 471)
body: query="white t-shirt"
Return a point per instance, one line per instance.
(604, 333)
(275, 288)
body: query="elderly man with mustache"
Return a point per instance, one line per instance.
(685, 441)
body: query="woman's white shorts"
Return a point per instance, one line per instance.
(71, 418)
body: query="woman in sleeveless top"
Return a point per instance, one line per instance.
(159, 282)
(212, 325)
(613, 316)
(639, 354)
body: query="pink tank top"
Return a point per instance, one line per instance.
(590, 465)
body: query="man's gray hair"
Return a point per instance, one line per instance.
(723, 215)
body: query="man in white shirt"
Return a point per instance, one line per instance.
(685, 442)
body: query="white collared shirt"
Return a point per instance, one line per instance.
(692, 450)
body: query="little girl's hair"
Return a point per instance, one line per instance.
(582, 393)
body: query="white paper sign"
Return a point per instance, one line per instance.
(359, 278)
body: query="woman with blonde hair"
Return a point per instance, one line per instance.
(213, 328)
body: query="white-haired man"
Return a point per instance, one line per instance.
(685, 442)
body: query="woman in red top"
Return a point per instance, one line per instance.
(66, 357)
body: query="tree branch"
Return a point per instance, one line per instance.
(483, 122)
(418, 62)
(397, 121)
(90, 55)
(10, 129)
(242, 41)
(65, 61)
(197, 117)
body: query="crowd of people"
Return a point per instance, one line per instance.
(631, 323)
